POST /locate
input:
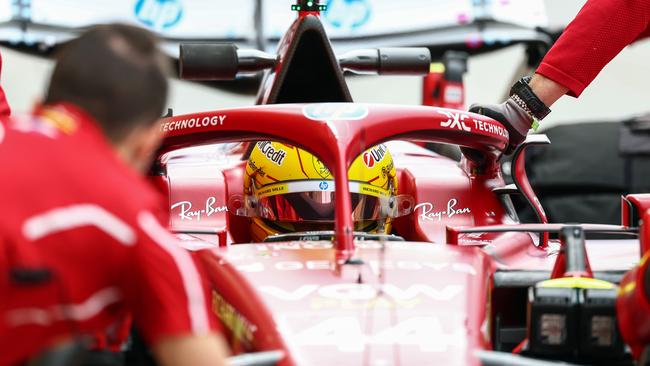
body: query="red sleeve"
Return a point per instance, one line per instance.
(168, 292)
(599, 32)
(5, 111)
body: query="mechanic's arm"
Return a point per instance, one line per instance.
(170, 300)
(190, 351)
(599, 32)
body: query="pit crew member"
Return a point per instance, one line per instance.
(81, 236)
(290, 190)
(5, 111)
(599, 32)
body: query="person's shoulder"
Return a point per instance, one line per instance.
(129, 191)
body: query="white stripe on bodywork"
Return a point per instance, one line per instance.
(74, 217)
(189, 274)
(59, 312)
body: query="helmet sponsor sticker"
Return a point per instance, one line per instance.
(273, 190)
(373, 190)
(275, 156)
(335, 111)
(374, 155)
(196, 122)
(315, 186)
(429, 213)
(385, 170)
(255, 169)
(320, 168)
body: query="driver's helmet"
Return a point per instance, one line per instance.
(290, 190)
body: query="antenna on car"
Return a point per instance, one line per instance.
(310, 6)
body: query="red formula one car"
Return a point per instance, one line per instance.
(457, 279)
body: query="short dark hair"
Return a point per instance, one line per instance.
(116, 73)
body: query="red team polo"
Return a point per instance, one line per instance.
(599, 32)
(4, 106)
(70, 205)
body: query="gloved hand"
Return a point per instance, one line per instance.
(513, 117)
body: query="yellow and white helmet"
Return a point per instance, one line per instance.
(291, 190)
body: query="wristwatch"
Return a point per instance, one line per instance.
(524, 96)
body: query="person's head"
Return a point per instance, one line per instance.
(118, 75)
(291, 190)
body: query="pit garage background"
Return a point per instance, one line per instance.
(31, 29)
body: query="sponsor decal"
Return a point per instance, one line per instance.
(335, 111)
(490, 128)
(348, 14)
(385, 170)
(256, 170)
(427, 211)
(373, 191)
(375, 265)
(272, 190)
(186, 212)
(376, 303)
(159, 14)
(374, 155)
(276, 156)
(364, 292)
(347, 334)
(456, 120)
(323, 186)
(242, 329)
(320, 168)
(197, 122)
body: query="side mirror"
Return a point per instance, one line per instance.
(387, 61)
(220, 61)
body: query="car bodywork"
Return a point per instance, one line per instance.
(434, 298)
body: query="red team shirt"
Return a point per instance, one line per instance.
(599, 32)
(71, 205)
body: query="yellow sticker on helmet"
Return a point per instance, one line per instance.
(272, 190)
(371, 190)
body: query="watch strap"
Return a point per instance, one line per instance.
(522, 93)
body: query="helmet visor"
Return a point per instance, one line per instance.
(316, 206)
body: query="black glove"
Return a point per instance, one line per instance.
(514, 118)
